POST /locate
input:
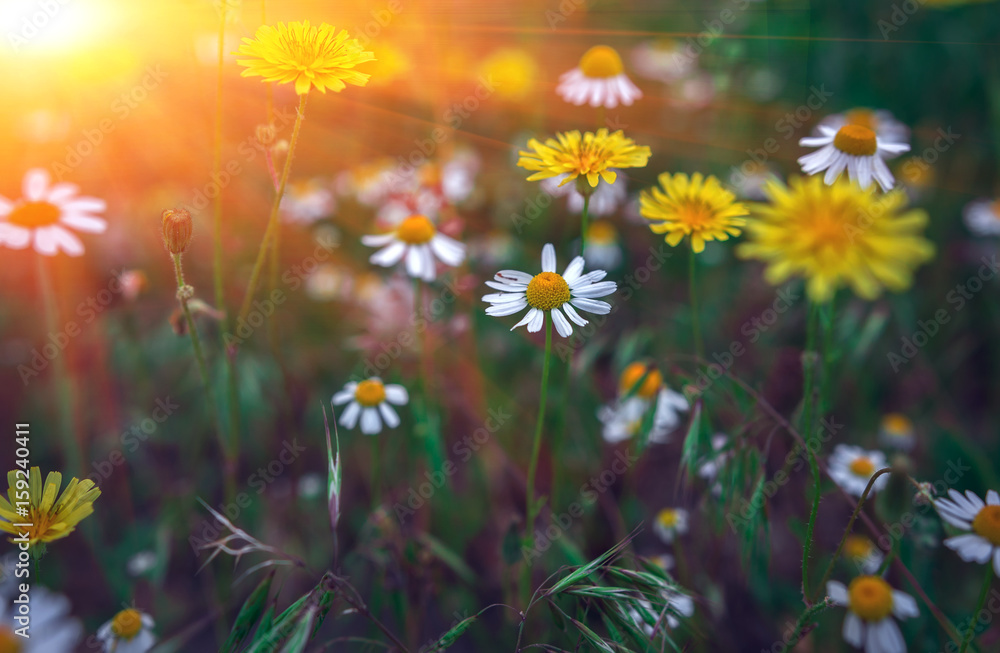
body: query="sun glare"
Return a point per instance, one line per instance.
(45, 26)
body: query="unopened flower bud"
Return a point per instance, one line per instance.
(177, 230)
(265, 134)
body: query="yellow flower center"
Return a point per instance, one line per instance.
(9, 642)
(601, 61)
(415, 230)
(370, 393)
(858, 546)
(548, 290)
(856, 140)
(862, 467)
(870, 598)
(861, 117)
(602, 232)
(34, 214)
(896, 424)
(696, 214)
(631, 375)
(668, 518)
(996, 209)
(987, 524)
(126, 624)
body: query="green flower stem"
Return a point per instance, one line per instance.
(699, 347)
(971, 632)
(427, 422)
(531, 509)
(808, 616)
(65, 395)
(199, 356)
(850, 527)
(272, 222)
(376, 488)
(826, 330)
(809, 409)
(584, 223)
(232, 392)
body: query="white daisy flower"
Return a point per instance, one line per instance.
(880, 121)
(418, 241)
(603, 245)
(41, 217)
(750, 178)
(676, 604)
(709, 470)
(664, 60)
(669, 523)
(551, 293)
(370, 401)
(141, 563)
(307, 201)
(863, 552)
(969, 513)
(897, 432)
(130, 631)
(372, 182)
(458, 176)
(599, 80)
(982, 217)
(328, 282)
(52, 629)
(604, 200)
(854, 148)
(871, 603)
(399, 206)
(310, 486)
(852, 467)
(623, 419)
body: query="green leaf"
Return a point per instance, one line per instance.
(251, 611)
(448, 557)
(456, 631)
(303, 631)
(693, 442)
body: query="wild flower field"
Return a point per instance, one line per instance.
(558, 325)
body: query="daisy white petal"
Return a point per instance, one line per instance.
(970, 547)
(837, 592)
(396, 394)
(513, 276)
(370, 422)
(508, 308)
(85, 223)
(35, 186)
(527, 319)
(562, 325)
(389, 256)
(591, 305)
(854, 630)
(548, 258)
(904, 606)
(573, 315)
(535, 325)
(389, 415)
(600, 289)
(350, 416)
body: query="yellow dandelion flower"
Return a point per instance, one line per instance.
(586, 155)
(305, 54)
(51, 516)
(513, 71)
(698, 207)
(837, 235)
